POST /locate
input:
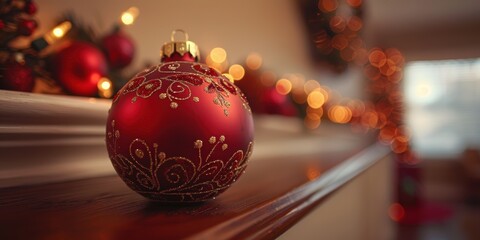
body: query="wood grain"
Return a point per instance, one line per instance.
(272, 195)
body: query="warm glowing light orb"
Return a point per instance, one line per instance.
(315, 99)
(218, 55)
(128, 17)
(254, 61)
(283, 86)
(237, 71)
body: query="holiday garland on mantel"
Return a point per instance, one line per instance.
(46, 65)
(335, 31)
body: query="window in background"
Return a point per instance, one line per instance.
(443, 106)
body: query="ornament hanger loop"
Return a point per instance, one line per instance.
(172, 36)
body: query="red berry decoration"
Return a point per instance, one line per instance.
(79, 67)
(18, 77)
(30, 8)
(179, 132)
(119, 49)
(27, 27)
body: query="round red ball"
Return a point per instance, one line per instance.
(30, 8)
(119, 49)
(79, 67)
(27, 27)
(18, 77)
(179, 132)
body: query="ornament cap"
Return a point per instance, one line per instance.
(179, 47)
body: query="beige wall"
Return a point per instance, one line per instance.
(440, 29)
(272, 28)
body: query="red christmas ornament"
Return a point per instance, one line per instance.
(79, 67)
(273, 102)
(253, 88)
(27, 27)
(18, 77)
(119, 49)
(179, 132)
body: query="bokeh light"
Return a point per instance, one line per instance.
(337, 23)
(128, 17)
(219, 66)
(377, 58)
(283, 86)
(237, 71)
(327, 5)
(218, 55)
(396, 212)
(339, 114)
(355, 23)
(354, 3)
(313, 172)
(339, 41)
(315, 99)
(312, 122)
(254, 61)
(104, 87)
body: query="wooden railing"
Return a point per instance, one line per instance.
(73, 192)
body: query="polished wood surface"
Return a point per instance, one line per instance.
(271, 196)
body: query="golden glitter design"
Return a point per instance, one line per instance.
(212, 140)
(185, 178)
(161, 156)
(148, 86)
(139, 153)
(173, 66)
(180, 90)
(173, 105)
(198, 144)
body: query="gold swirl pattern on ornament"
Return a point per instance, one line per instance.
(163, 177)
(178, 85)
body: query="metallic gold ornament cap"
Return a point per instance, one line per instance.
(180, 47)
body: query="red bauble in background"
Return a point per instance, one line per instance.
(253, 88)
(30, 8)
(273, 102)
(79, 67)
(265, 99)
(179, 132)
(18, 77)
(119, 49)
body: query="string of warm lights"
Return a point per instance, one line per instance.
(384, 69)
(52, 36)
(128, 17)
(383, 112)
